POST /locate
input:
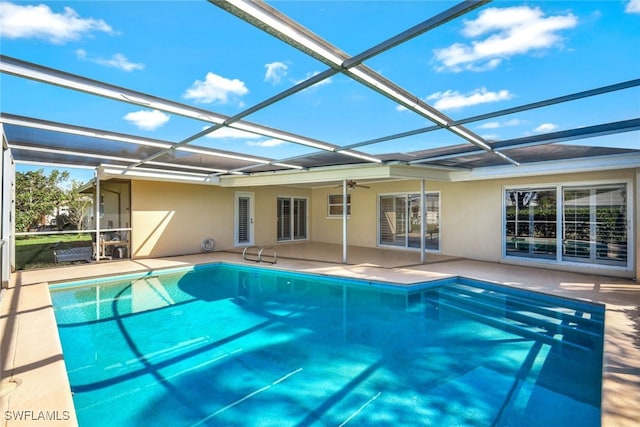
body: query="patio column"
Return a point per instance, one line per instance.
(344, 221)
(423, 217)
(97, 216)
(637, 226)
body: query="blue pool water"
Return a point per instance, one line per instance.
(237, 346)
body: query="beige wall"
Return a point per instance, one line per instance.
(362, 223)
(172, 219)
(471, 213)
(471, 220)
(637, 226)
(266, 212)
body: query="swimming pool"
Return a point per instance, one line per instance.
(225, 345)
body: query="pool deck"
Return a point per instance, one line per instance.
(34, 383)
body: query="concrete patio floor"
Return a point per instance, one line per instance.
(33, 374)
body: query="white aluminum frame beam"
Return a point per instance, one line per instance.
(24, 69)
(525, 107)
(120, 137)
(285, 29)
(349, 63)
(549, 138)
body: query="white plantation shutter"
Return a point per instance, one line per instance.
(244, 218)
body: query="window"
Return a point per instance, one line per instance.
(399, 219)
(291, 218)
(595, 224)
(531, 223)
(586, 224)
(335, 204)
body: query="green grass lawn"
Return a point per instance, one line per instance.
(37, 251)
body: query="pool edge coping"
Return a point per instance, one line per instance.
(620, 369)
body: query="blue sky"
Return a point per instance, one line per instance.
(501, 55)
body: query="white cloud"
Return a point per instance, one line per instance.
(451, 99)
(215, 88)
(231, 133)
(118, 60)
(147, 119)
(490, 125)
(266, 143)
(28, 21)
(227, 132)
(513, 122)
(490, 137)
(507, 32)
(633, 6)
(276, 71)
(546, 127)
(498, 124)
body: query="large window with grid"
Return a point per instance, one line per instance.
(531, 225)
(291, 218)
(586, 223)
(595, 224)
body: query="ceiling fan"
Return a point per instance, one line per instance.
(351, 184)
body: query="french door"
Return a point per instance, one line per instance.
(243, 223)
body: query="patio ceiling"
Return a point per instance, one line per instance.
(41, 141)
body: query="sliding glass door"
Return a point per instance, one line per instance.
(595, 225)
(291, 218)
(586, 224)
(399, 220)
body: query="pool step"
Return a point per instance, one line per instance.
(564, 313)
(561, 316)
(519, 323)
(531, 317)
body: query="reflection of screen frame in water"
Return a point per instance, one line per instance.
(447, 351)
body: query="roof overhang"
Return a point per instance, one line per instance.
(106, 172)
(319, 177)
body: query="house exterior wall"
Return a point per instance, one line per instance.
(361, 225)
(266, 211)
(637, 225)
(471, 214)
(172, 219)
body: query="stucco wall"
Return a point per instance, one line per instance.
(471, 212)
(361, 225)
(172, 219)
(266, 212)
(637, 225)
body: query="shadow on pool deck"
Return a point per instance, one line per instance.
(31, 349)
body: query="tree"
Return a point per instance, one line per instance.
(79, 204)
(37, 195)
